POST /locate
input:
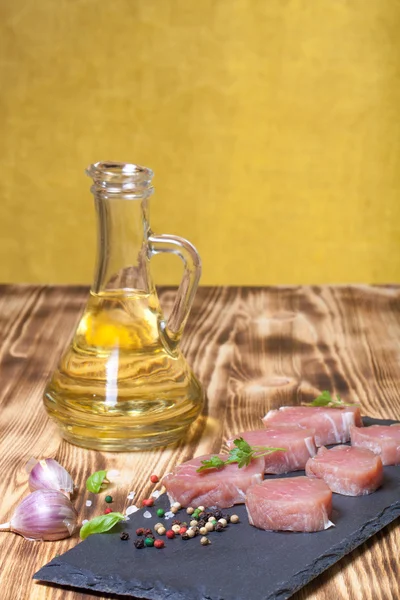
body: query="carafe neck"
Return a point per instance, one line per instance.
(121, 193)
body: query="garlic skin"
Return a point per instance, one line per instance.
(48, 474)
(43, 515)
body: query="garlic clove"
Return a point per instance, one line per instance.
(49, 474)
(30, 464)
(43, 515)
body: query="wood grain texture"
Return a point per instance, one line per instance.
(253, 349)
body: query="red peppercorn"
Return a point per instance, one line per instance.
(182, 530)
(148, 502)
(159, 544)
(140, 531)
(170, 534)
(107, 511)
(154, 479)
(147, 532)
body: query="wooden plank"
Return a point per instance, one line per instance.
(253, 349)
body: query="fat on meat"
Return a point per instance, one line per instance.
(290, 504)
(383, 440)
(347, 470)
(220, 488)
(299, 445)
(331, 425)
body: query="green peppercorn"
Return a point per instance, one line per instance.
(108, 499)
(149, 542)
(160, 512)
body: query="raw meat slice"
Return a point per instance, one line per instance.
(380, 439)
(213, 487)
(347, 470)
(299, 445)
(290, 504)
(331, 425)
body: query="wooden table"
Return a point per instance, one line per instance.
(253, 349)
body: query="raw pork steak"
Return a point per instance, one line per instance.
(290, 503)
(213, 487)
(347, 470)
(331, 425)
(380, 439)
(299, 445)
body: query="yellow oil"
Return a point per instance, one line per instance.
(120, 385)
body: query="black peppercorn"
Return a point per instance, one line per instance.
(139, 543)
(218, 527)
(185, 536)
(201, 523)
(227, 518)
(124, 535)
(218, 514)
(147, 532)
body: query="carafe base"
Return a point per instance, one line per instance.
(124, 433)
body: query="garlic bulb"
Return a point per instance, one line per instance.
(48, 474)
(43, 515)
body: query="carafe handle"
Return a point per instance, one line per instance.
(173, 244)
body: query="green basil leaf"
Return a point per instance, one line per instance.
(100, 524)
(95, 481)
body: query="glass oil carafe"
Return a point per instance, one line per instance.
(123, 383)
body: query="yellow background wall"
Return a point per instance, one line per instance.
(273, 127)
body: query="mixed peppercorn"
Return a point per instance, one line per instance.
(202, 522)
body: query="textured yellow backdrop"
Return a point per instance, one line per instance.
(273, 127)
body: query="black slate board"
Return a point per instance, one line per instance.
(242, 562)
